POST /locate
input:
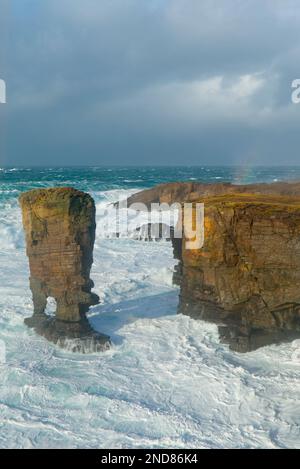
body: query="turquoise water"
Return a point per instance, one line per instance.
(167, 381)
(98, 178)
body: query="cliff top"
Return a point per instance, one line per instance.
(52, 195)
(246, 199)
(287, 192)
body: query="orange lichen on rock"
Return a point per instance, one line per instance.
(247, 272)
(249, 265)
(59, 224)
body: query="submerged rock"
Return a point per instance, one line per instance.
(59, 224)
(152, 232)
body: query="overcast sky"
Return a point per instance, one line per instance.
(149, 82)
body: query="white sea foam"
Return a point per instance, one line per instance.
(166, 382)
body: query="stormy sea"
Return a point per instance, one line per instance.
(167, 381)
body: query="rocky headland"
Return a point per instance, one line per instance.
(194, 191)
(59, 225)
(246, 277)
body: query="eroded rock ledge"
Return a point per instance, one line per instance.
(59, 224)
(193, 191)
(246, 277)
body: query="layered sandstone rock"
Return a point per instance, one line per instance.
(59, 224)
(246, 277)
(248, 270)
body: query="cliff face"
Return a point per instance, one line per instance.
(248, 270)
(59, 224)
(246, 277)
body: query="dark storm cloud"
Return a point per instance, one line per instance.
(151, 81)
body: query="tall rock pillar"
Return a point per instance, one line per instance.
(59, 225)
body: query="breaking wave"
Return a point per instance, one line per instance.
(167, 381)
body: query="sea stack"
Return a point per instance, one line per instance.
(247, 273)
(246, 276)
(60, 225)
